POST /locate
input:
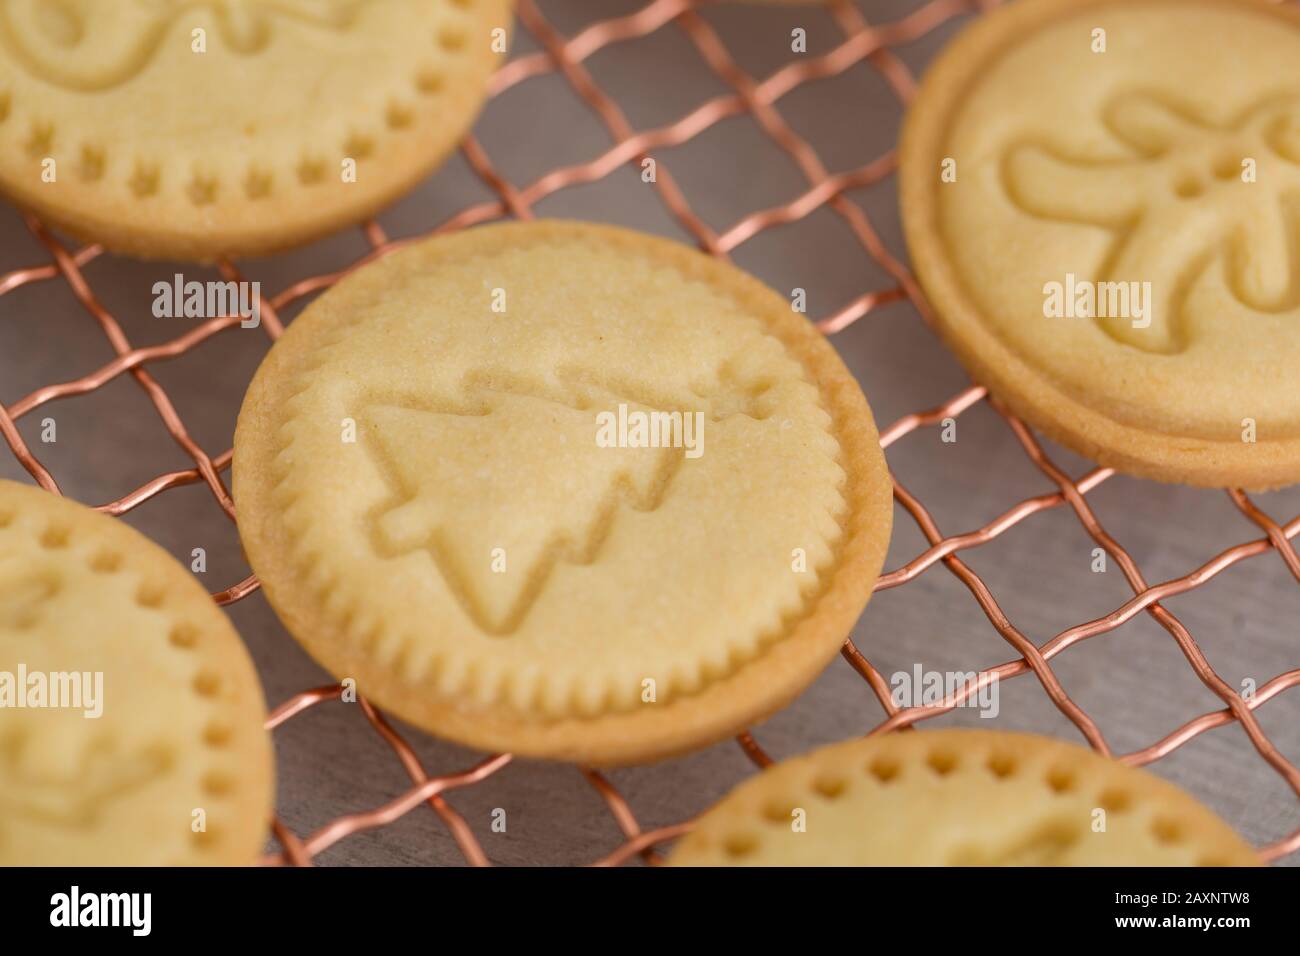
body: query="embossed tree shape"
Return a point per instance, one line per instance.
(1179, 205)
(91, 45)
(427, 446)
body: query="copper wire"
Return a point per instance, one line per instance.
(862, 43)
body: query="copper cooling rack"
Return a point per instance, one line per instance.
(862, 42)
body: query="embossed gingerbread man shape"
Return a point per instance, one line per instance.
(1194, 193)
(91, 45)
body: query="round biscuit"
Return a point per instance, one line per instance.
(198, 130)
(422, 489)
(156, 753)
(1099, 201)
(958, 798)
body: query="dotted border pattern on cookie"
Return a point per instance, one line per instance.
(225, 677)
(731, 832)
(413, 139)
(1026, 391)
(723, 707)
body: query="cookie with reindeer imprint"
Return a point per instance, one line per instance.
(1102, 203)
(131, 718)
(959, 798)
(192, 130)
(562, 489)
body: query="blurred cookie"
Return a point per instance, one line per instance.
(562, 489)
(131, 719)
(192, 130)
(1100, 202)
(958, 798)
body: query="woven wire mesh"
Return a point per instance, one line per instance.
(861, 43)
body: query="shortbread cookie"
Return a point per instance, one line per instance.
(131, 719)
(195, 129)
(562, 489)
(959, 798)
(1100, 199)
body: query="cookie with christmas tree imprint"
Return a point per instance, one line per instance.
(958, 798)
(562, 489)
(1100, 202)
(131, 718)
(231, 127)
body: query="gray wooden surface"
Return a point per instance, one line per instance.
(1133, 681)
